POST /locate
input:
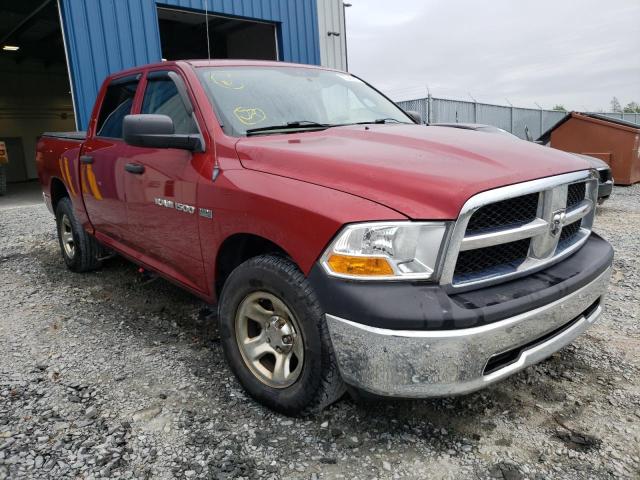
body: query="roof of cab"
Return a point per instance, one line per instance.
(197, 63)
(253, 63)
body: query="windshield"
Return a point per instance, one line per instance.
(252, 98)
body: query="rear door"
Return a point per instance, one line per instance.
(103, 159)
(161, 194)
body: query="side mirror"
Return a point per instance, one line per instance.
(157, 131)
(415, 116)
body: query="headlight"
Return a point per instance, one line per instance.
(386, 250)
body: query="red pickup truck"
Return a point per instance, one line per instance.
(346, 245)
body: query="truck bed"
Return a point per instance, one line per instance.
(57, 161)
(76, 135)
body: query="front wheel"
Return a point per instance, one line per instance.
(275, 337)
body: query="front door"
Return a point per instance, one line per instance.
(161, 191)
(103, 159)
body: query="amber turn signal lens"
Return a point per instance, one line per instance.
(352, 265)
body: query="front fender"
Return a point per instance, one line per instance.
(299, 217)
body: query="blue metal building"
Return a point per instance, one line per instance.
(105, 36)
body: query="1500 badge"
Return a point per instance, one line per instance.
(181, 207)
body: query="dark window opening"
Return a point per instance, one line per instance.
(116, 105)
(161, 97)
(183, 35)
(35, 95)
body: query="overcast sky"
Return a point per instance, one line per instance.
(579, 53)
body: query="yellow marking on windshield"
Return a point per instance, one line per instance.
(250, 116)
(226, 80)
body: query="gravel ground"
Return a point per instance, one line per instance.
(107, 375)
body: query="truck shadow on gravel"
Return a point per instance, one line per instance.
(120, 281)
(448, 425)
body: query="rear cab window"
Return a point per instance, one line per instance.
(117, 103)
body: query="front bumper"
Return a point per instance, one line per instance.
(430, 363)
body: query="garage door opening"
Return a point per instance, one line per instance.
(183, 35)
(35, 95)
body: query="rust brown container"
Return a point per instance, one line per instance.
(614, 141)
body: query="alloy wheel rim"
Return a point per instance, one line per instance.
(269, 339)
(66, 234)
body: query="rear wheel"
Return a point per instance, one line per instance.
(275, 337)
(79, 249)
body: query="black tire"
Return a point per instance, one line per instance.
(319, 382)
(86, 249)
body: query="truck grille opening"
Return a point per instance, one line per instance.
(568, 234)
(503, 359)
(491, 260)
(514, 234)
(575, 194)
(511, 212)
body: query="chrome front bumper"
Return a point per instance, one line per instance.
(408, 363)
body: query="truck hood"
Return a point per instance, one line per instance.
(421, 172)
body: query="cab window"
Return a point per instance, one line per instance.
(116, 105)
(161, 97)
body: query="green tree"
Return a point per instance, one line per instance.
(560, 108)
(615, 105)
(632, 107)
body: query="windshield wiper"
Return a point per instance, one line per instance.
(295, 125)
(311, 125)
(381, 121)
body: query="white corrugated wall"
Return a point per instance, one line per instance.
(333, 37)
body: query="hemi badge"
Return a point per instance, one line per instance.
(205, 212)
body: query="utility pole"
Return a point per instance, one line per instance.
(475, 108)
(541, 114)
(428, 106)
(344, 30)
(511, 114)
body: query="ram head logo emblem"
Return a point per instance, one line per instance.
(557, 221)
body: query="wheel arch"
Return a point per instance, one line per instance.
(238, 248)
(289, 216)
(58, 191)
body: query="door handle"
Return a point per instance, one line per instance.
(86, 159)
(134, 168)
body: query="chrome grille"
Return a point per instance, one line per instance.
(575, 194)
(568, 234)
(514, 211)
(509, 231)
(495, 259)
